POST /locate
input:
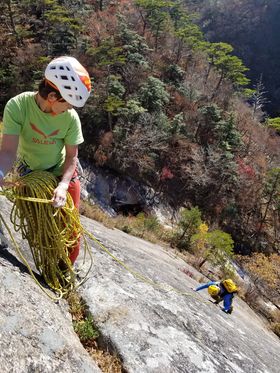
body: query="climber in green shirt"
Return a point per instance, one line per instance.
(43, 130)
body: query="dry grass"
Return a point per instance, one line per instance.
(107, 363)
(141, 226)
(263, 268)
(88, 334)
(275, 326)
(76, 306)
(95, 213)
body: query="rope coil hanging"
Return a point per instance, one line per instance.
(51, 233)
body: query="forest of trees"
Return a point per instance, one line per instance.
(251, 27)
(168, 107)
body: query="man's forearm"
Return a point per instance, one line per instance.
(68, 169)
(8, 153)
(6, 161)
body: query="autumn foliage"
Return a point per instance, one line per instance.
(168, 107)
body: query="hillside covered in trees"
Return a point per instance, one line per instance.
(168, 108)
(252, 28)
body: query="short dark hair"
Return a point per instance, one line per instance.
(45, 88)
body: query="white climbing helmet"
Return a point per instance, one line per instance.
(71, 79)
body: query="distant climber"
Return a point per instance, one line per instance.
(221, 291)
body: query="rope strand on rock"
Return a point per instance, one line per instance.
(52, 233)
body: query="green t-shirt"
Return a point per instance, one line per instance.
(42, 136)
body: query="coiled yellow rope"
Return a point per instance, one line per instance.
(51, 233)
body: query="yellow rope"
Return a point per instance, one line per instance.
(139, 276)
(51, 233)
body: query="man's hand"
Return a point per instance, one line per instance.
(59, 195)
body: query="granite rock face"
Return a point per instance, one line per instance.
(156, 323)
(156, 329)
(36, 333)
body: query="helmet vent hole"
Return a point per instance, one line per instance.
(67, 68)
(64, 77)
(61, 68)
(67, 87)
(72, 77)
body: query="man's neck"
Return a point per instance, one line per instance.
(42, 103)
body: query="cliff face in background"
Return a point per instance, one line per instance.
(252, 28)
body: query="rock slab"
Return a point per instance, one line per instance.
(155, 329)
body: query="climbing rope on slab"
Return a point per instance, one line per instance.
(52, 233)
